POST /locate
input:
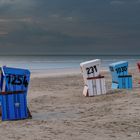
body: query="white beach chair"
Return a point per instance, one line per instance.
(94, 82)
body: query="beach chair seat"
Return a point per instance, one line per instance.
(14, 87)
(93, 81)
(120, 77)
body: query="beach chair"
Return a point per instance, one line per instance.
(120, 77)
(13, 96)
(138, 64)
(93, 81)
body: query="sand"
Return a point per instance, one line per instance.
(61, 112)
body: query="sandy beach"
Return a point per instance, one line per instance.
(61, 112)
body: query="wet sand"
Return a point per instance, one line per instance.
(61, 112)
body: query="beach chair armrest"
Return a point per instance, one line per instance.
(123, 76)
(97, 77)
(12, 92)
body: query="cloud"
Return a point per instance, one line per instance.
(138, 1)
(60, 17)
(69, 18)
(122, 2)
(8, 1)
(7, 20)
(15, 2)
(68, 26)
(54, 16)
(3, 34)
(116, 2)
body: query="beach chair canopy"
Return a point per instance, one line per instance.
(117, 69)
(90, 69)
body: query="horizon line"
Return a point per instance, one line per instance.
(69, 54)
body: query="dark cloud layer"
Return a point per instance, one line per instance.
(69, 26)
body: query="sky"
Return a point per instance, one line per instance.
(69, 27)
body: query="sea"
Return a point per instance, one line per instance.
(37, 63)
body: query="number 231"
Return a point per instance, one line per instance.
(91, 69)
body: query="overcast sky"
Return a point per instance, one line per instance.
(69, 26)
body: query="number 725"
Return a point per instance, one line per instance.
(17, 80)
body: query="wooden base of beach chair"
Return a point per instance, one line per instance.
(28, 111)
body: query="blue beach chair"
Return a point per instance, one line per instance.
(13, 96)
(120, 77)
